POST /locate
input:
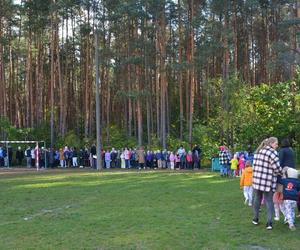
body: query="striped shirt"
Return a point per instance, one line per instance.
(266, 167)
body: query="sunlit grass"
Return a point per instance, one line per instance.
(130, 210)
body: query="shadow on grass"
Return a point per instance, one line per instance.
(90, 179)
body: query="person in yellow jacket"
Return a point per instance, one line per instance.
(234, 165)
(246, 183)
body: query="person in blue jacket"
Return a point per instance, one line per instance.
(291, 187)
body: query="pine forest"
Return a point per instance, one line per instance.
(171, 71)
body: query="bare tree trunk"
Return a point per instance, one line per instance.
(39, 84)
(235, 38)
(225, 76)
(52, 79)
(180, 80)
(253, 57)
(162, 69)
(86, 92)
(191, 71)
(157, 83)
(2, 75)
(108, 105)
(139, 114)
(29, 107)
(12, 90)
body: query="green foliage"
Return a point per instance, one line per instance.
(70, 139)
(12, 133)
(207, 138)
(118, 139)
(267, 110)
(174, 143)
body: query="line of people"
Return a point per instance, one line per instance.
(87, 157)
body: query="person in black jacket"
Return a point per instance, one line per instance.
(19, 156)
(286, 154)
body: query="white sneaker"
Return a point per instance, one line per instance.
(250, 204)
(292, 227)
(246, 201)
(276, 218)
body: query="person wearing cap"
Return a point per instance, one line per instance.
(291, 187)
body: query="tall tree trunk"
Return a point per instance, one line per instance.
(2, 74)
(253, 57)
(225, 75)
(29, 107)
(39, 83)
(139, 112)
(191, 71)
(157, 81)
(235, 38)
(52, 77)
(163, 79)
(180, 80)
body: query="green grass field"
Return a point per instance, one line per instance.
(131, 210)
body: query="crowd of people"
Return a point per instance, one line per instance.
(233, 165)
(271, 180)
(67, 157)
(267, 177)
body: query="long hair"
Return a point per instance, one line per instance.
(271, 140)
(263, 144)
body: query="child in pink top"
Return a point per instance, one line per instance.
(189, 160)
(242, 163)
(177, 161)
(172, 159)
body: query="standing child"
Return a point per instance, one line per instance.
(172, 159)
(291, 187)
(242, 163)
(234, 165)
(246, 183)
(278, 201)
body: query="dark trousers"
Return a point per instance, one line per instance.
(268, 196)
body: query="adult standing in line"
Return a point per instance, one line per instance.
(1, 157)
(51, 157)
(19, 156)
(93, 156)
(181, 153)
(286, 154)
(107, 158)
(266, 168)
(126, 157)
(74, 157)
(113, 156)
(197, 156)
(224, 159)
(28, 157)
(141, 157)
(10, 155)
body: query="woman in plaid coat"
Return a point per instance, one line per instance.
(266, 167)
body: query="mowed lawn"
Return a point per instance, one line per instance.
(131, 210)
